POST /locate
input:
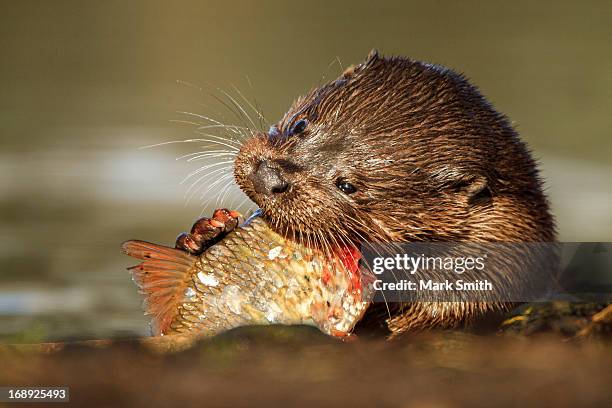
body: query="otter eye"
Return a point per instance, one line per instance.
(299, 127)
(345, 186)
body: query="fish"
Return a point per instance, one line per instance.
(253, 276)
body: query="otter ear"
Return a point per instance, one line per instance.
(371, 59)
(476, 188)
(372, 56)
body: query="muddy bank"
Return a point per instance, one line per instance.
(279, 366)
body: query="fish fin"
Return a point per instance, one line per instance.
(162, 278)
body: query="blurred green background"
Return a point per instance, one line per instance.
(84, 85)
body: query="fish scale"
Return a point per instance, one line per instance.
(253, 276)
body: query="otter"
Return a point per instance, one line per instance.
(394, 150)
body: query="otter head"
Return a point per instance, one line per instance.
(395, 150)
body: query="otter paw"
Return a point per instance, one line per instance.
(208, 231)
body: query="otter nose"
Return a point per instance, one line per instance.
(268, 180)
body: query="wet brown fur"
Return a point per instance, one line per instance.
(431, 159)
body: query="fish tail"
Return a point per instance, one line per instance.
(162, 278)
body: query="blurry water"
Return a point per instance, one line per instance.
(66, 210)
(84, 85)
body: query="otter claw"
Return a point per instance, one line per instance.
(217, 224)
(228, 218)
(208, 231)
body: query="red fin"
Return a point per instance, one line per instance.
(162, 278)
